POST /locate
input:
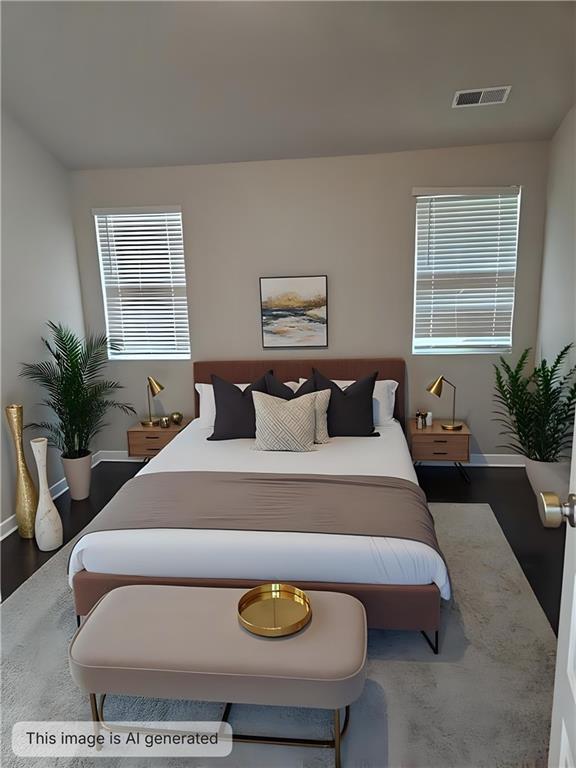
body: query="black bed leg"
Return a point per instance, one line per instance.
(434, 645)
(78, 620)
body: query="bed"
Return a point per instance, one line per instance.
(401, 582)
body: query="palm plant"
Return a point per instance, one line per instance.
(536, 409)
(77, 394)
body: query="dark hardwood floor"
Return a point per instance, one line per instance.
(21, 557)
(540, 551)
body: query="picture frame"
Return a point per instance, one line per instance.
(294, 311)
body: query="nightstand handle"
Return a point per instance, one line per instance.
(152, 437)
(440, 453)
(440, 441)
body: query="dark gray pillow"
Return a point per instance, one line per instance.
(277, 388)
(235, 415)
(350, 413)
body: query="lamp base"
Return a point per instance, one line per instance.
(150, 423)
(452, 427)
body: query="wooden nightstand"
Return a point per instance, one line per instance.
(437, 444)
(145, 442)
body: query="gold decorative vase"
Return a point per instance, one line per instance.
(26, 493)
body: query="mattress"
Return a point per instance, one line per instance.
(270, 555)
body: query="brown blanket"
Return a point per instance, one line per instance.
(356, 505)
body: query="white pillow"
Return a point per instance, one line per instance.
(383, 400)
(207, 415)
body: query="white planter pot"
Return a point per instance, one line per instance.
(78, 475)
(48, 526)
(551, 476)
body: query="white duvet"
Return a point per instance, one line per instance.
(270, 555)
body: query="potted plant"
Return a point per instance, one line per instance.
(79, 397)
(536, 410)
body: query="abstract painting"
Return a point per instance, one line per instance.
(294, 311)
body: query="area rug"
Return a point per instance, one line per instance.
(485, 701)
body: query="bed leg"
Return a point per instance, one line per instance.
(78, 620)
(434, 645)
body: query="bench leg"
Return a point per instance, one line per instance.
(95, 716)
(339, 729)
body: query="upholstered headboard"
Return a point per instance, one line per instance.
(241, 371)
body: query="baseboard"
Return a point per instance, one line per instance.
(8, 526)
(476, 460)
(497, 460)
(485, 460)
(113, 456)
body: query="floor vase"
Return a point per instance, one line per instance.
(26, 494)
(48, 526)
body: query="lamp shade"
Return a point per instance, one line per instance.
(155, 386)
(435, 388)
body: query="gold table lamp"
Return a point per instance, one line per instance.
(435, 388)
(153, 388)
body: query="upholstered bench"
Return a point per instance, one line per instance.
(186, 643)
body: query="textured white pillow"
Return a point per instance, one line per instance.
(207, 415)
(285, 425)
(383, 399)
(320, 411)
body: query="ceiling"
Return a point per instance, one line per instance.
(118, 84)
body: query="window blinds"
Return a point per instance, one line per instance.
(144, 283)
(466, 248)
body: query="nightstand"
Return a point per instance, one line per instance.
(437, 444)
(146, 442)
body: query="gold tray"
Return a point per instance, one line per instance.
(274, 610)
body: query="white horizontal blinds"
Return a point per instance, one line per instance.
(144, 283)
(466, 247)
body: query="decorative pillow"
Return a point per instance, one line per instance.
(350, 412)
(207, 415)
(235, 417)
(207, 409)
(383, 400)
(284, 391)
(321, 406)
(285, 425)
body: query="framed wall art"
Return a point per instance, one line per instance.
(294, 311)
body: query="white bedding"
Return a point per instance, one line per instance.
(270, 555)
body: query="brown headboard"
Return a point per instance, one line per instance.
(241, 371)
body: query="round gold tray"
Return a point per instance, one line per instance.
(274, 610)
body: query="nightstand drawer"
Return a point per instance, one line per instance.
(437, 449)
(142, 444)
(452, 439)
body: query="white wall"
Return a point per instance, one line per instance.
(557, 305)
(349, 217)
(39, 278)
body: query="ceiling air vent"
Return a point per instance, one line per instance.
(481, 97)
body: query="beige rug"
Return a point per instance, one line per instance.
(484, 702)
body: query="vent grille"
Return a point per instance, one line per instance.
(481, 97)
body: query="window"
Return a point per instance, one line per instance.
(144, 283)
(466, 247)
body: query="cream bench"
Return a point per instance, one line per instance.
(186, 643)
